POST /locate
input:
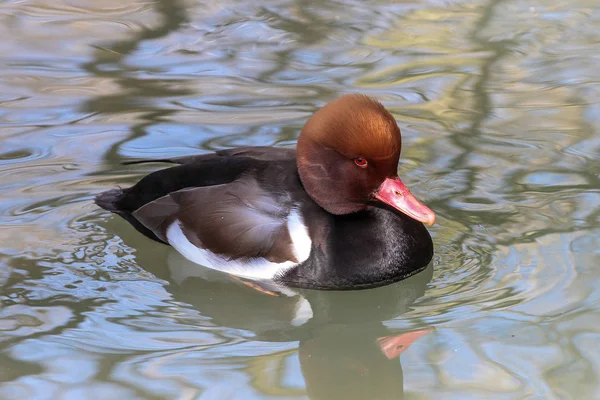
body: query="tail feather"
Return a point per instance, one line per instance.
(108, 200)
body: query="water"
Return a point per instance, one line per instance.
(498, 105)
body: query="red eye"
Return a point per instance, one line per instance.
(361, 162)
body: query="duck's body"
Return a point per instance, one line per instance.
(264, 213)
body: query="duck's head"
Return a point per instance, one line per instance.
(348, 154)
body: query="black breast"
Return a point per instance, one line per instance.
(370, 248)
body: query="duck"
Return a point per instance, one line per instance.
(331, 214)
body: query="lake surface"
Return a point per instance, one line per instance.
(499, 106)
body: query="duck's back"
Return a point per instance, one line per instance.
(219, 168)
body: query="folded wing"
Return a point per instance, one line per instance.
(238, 220)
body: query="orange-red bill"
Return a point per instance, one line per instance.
(393, 346)
(394, 193)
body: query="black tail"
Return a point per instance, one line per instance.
(108, 200)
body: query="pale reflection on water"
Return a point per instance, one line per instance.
(498, 105)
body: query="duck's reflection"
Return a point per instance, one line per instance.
(345, 348)
(349, 353)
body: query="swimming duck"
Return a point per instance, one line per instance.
(331, 214)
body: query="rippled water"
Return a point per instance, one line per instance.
(498, 102)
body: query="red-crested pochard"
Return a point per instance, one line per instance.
(332, 214)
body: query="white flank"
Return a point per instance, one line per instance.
(259, 268)
(299, 234)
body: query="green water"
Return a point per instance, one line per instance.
(498, 102)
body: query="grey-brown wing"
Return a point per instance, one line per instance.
(235, 220)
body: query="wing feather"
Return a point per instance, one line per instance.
(236, 220)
